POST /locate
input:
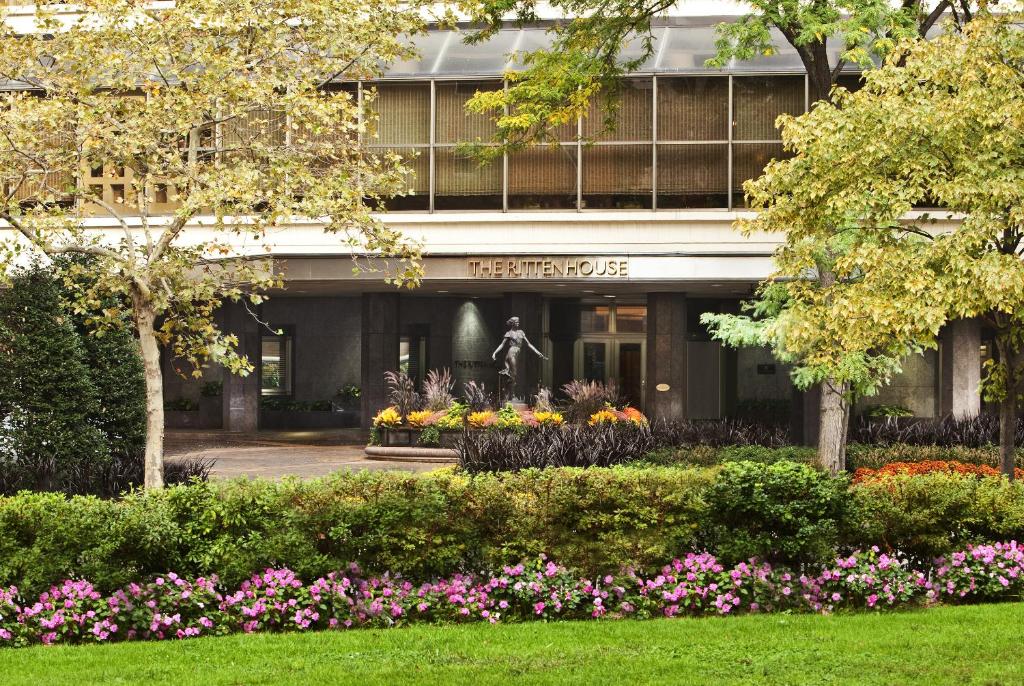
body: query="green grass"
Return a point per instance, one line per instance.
(952, 645)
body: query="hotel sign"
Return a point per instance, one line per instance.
(518, 267)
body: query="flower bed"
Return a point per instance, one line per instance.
(169, 607)
(441, 427)
(929, 467)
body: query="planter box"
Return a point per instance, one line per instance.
(407, 437)
(210, 415)
(308, 419)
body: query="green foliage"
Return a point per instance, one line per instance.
(51, 419)
(781, 512)
(593, 520)
(290, 405)
(887, 411)
(703, 455)
(600, 42)
(932, 514)
(430, 436)
(418, 525)
(212, 389)
(875, 456)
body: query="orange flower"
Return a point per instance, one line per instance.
(927, 467)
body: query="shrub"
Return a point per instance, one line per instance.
(49, 404)
(705, 455)
(932, 514)
(781, 512)
(418, 525)
(717, 433)
(601, 445)
(929, 467)
(859, 455)
(170, 607)
(974, 432)
(586, 398)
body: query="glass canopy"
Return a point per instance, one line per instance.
(677, 50)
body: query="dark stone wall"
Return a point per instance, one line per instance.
(380, 333)
(666, 355)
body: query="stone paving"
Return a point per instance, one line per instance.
(276, 454)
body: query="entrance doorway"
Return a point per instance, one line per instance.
(617, 359)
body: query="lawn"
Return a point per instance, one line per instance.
(953, 645)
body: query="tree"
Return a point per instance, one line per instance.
(115, 367)
(585, 58)
(584, 62)
(941, 124)
(221, 120)
(47, 398)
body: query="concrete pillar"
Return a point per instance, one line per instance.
(666, 355)
(529, 307)
(241, 394)
(380, 341)
(960, 373)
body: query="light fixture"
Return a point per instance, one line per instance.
(442, 291)
(609, 296)
(588, 291)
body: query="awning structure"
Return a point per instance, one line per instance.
(678, 49)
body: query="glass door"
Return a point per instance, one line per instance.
(621, 360)
(631, 376)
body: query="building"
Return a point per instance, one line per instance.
(608, 252)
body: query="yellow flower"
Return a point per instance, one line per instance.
(418, 419)
(481, 420)
(603, 417)
(388, 418)
(548, 418)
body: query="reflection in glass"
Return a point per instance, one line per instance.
(631, 318)
(595, 319)
(276, 365)
(594, 364)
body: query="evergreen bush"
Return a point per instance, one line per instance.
(49, 406)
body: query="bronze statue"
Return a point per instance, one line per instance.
(515, 338)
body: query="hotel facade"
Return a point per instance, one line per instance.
(608, 246)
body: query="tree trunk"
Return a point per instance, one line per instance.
(145, 320)
(1007, 434)
(835, 416)
(1008, 408)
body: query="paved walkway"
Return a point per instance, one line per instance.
(275, 454)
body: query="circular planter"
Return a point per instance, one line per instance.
(395, 453)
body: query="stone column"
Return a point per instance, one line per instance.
(666, 355)
(241, 394)
(529, 307)
(380, 338)
(961, 369)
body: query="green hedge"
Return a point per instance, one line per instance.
(594, 520)
(875, 456)
(857, 455)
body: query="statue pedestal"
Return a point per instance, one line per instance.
(518, 404)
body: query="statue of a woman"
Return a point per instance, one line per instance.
(515, 338)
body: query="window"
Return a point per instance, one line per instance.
(613, 319)
(618, 167)
(400, 123)
(595, 319)
(757, 103)
(631, 318)
(693, 142)
(276, 369)
(461, 181)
